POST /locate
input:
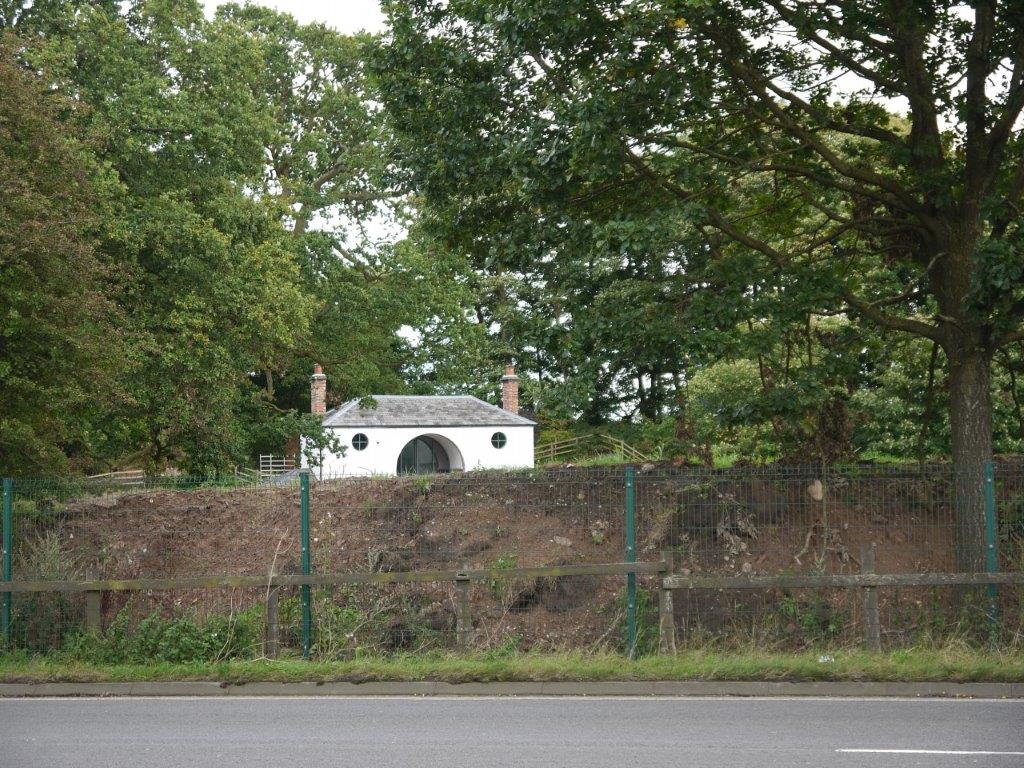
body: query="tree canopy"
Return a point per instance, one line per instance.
(757, 230)
(215, 176)
(786, 161)
(58, 318)
(746, 159)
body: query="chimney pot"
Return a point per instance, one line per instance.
(318, 391)
(510, 390)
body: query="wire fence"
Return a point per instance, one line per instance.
(735, 522)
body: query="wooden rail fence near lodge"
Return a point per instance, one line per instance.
(868, 581)
(564, 449)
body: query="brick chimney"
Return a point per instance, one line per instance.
(510, 390)
(318, 391)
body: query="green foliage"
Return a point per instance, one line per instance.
(953, 661)
(318, 442)
(423, 484)
(43, 618)
(722, 410)
(509, 648)
(46, 621)
(613, 175)
(352, 623)
(207, 285)
(499, 587)
(170, 309)
(816, 618)
(647, 628)
(58, 319)
(177, 640)
(613, 459)
(595, 192)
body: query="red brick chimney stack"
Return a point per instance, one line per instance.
(510, 390)
(318, 391)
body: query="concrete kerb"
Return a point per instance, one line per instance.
(432, 688)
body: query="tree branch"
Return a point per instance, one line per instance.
(925, 135)
(978, 67)
(1011, 337)
(840, 55)
(737, 51)
(809, 173)
(894, 322)
(999, 137)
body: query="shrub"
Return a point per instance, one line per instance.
(816, 617)
(178, 640)
(42, 619)
(350, 623)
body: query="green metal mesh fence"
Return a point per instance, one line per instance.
(757, 522)
(741, 521)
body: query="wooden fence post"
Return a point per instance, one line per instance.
(93, 608)
(872, 624)
(630, 558)
(991, 550)
(463, 618)
(5, 566)
(271, 640)
(666, 614)
(307, 568)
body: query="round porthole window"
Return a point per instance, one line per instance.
(498, 439)
(360, 441)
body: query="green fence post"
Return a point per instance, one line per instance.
(991, 548)
(307, 596)
(630, 558)
(8, 526)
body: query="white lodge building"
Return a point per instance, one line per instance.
(423, 434)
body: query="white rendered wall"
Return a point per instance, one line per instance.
(380, 457)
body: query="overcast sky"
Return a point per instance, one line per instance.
(343, 15)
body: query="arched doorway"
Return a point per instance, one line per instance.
(429, 454)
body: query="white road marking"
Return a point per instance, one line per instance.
(930, 751)
(106, 697)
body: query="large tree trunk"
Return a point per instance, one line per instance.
(966, 344)
(970, 405)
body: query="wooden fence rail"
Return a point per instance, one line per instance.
(127, 477)
(329, 579)
(841, 580)
(551, 451)
(868, 582)
(548, 452)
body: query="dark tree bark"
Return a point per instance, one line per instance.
(969, 346)
(970, 405)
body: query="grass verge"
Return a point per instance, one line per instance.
(941, 665)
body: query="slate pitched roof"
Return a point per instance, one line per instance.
(424, 411)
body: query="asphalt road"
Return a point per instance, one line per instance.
(489, 732)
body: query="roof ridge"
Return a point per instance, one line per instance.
(425, 410)
(343, 408)
(447, 397)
